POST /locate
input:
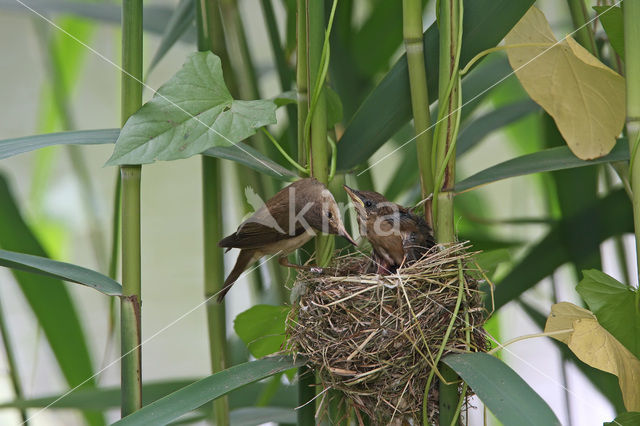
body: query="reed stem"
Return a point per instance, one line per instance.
(211, 37)
(412, 32)
(301, 80)
(444, 171)
(130, 308)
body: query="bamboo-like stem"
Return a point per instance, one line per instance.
(318, 146)
(444, 170)
(412, 32)
(631, 12)
(306, 377)
(12, 366)
(302, 85)
(210, 37)
(584, 34)
(130, 318)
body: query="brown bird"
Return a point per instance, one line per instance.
(286, 222)
(397, 235)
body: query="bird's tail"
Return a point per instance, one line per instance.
(244, 259)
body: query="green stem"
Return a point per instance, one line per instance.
(448, 397)
(130, 318)
(444, 146)
(301, 81)
(412, 32)
(318, 147)
(211, 37)
(631, 12)
(306, 377)
(291, 161)
(584, 34)
(14, 374)
(131, 289)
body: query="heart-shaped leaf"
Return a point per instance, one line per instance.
(614, 304)
(597, 347)
(262, 328)
(189, 114)
(585, 98)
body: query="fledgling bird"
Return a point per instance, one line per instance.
(397, 235)
(286, 222)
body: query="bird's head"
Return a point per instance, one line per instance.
(366, 203)
(322, 211)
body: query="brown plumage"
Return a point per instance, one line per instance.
(286, 222)
(397, 235)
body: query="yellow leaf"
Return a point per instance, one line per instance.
(585, 97)
(595, 346)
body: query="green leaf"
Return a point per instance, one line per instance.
(614, 304)
(625, 419)
(181, 20)
(615, 218)
(102, 399)
(239, 152)
(15, 146)
(490, 260)
(482, 126)
(49, 298)
(252, 416)
(388, 106)
(262, 328)
(372, 48)
(244, 154)
(509, 398)
(193, 396)
(60, 270)
(156, 17)
(611, 19)
(189, 114)
(334, 107)
(99, 399)
(547, 160)
(286, 98)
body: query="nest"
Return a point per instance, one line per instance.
(375, 337)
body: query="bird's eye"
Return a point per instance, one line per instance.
(368, 203)
(330, 215)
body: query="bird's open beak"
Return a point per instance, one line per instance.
(343, 233)
(353, 194)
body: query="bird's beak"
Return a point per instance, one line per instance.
(353, 194)
(343, 233)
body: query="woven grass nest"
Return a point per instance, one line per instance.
(370, 336)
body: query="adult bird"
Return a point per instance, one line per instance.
(286, 222)
(396, 234)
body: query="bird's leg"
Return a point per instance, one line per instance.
(284, 261)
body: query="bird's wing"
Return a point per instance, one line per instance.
(266, 226)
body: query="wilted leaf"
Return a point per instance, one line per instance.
(597, 347)
(614, 304)
(189, 114)
(611, 19)
(585, 98)
(262, 328)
